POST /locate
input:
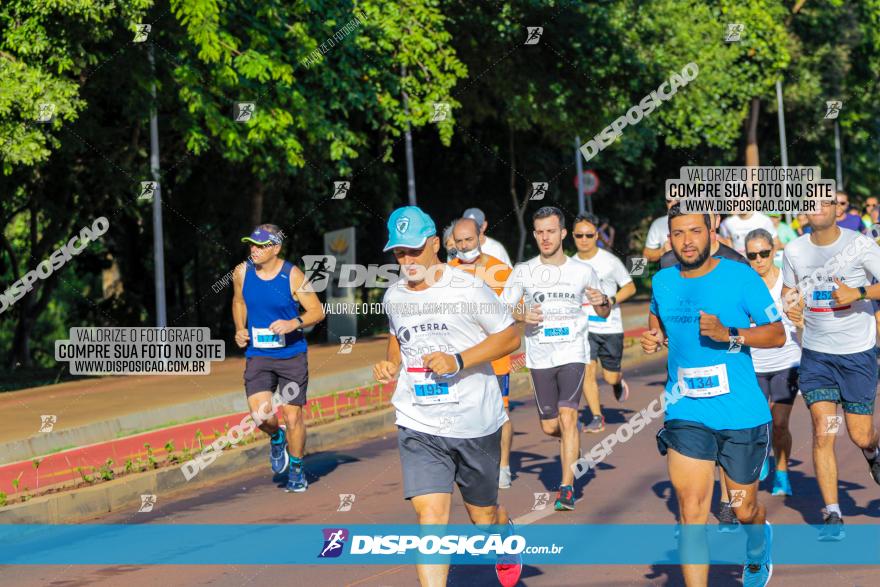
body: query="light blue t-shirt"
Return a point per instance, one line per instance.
(734, 293)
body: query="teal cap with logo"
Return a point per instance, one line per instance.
(409, 228)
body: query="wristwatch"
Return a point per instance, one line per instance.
(863, 292)
(613, 300)
(301, 322)
(735, 337)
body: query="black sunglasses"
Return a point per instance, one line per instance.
(584, 235)
(764, 254)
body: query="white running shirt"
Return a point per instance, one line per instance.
(561, 338)
(466, 405)
(657, 233)
(494, 248)
(854, 259)
(612, 276)
(736, 229)
(786, 356)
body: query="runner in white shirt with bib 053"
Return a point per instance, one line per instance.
(446, 326)
(553, 287)
(826, 283)
(605, 337)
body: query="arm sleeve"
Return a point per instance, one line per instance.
(493, 317)
(654, 232)
(513, 288)
(789, 277)
(619, 273)
(871, 258)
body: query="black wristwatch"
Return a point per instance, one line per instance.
(612, 300)
(460, 361)
(301, 322)
(733, 331)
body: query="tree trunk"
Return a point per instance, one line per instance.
(518, 210)
(257, 204)
(752, 158)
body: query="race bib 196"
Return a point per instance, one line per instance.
(699, 382)
(263, 338)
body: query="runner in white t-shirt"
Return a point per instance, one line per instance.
(605, 337)
(737, 226)
(553, 287)
(832, 268)
(446, 326)
(488, 245)
(776, 368)
(657, 241)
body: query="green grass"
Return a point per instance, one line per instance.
(124, 433)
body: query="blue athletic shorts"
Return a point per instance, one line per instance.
(849, 380)
(739, 452)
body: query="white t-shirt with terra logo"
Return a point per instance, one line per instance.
(454, 314)
(854, 259)
(561, 338)
(612, 276)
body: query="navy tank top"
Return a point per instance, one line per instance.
(268, 300)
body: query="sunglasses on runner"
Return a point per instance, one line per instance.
(584, 235)
(764, 254)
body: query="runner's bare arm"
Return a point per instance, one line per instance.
(493, 347)
(385, 371)
(653, 255)
(625, 293)
(239, 308)
(600, 302)
(766, 336)
(308, 299)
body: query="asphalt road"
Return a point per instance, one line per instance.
(630, 487)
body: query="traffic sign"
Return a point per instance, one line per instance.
(591, 182)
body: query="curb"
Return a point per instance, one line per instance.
(80, 504)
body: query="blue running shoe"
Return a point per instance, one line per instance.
(296, 480)
(765, 469)
(278, 457)
(781, 484)
(757, 572)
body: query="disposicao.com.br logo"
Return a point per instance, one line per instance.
(334, 540)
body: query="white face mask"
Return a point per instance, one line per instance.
(468, 256)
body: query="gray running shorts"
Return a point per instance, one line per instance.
(557, 387)
(431, 464)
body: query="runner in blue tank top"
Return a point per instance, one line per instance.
(715, 411)
(269, 296)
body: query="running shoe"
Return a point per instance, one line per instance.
(727, 521)
(874, 467)
(757, 573)
(504, 478)
(781, 484)
(296, 480)
(278, 457)
(621, 391)
(833, 530)
(596, 425)
(508, 567)
(765, 469)
(565, 501)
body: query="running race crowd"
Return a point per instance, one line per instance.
(745, 336)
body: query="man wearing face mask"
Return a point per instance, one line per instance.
(470, 258)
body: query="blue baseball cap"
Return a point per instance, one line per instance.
(409, 227)
(261, 236)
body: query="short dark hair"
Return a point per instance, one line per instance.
(587, 217)
(547, 212)
(675, 212)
